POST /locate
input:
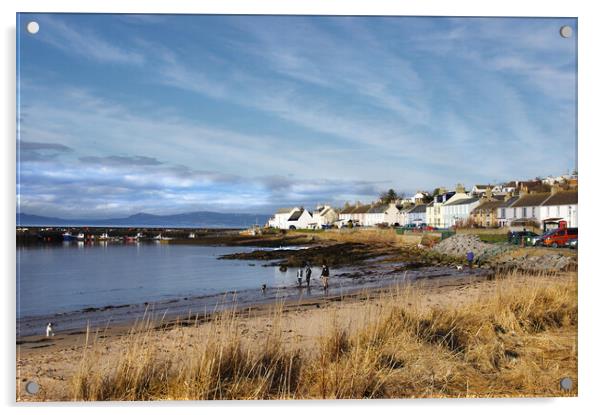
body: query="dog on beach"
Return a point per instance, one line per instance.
(459, 267)
(49, 330)
(263, 288)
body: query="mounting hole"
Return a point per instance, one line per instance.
(33, 27)
(566, 31)
(566, 384)
(32, 387)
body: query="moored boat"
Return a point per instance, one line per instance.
(67, 236)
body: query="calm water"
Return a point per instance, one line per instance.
(73, 277)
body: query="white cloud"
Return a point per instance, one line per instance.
(84, 42)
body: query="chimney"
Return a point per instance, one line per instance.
(555, 188)
(523, 190)
(460, 188)
(507, 197)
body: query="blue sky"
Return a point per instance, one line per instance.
(121, 114)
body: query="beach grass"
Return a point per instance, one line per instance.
(518, 339)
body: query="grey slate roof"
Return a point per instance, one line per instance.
(531, 199)
(418, 209)
(509, 202)
(562, 198)
(465, 201)
(378, 209)
(295, 216)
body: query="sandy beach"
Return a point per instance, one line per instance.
(52, 363)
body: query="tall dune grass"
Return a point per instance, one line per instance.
(518, 340)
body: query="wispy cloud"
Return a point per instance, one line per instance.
(252, 112)
(84, 42)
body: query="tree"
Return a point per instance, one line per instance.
(389, 196)
(437, 191)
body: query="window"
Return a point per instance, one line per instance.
(503, 213)
(524, 212)
(557, 210)
(533, 212)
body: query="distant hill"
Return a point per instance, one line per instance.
(182, 220)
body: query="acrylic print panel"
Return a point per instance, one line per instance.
(295, 207)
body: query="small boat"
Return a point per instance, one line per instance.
(130, 239)
(81, 236)
(67, 236)
(104, 237)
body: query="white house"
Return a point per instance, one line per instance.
(375, 216)
(561, 205)
(479, 189)
(457, 212)
(300, 219)
(434, 214)
(393, 215)
(525, 210)
(355, 214)
(449, 215)
(417, 215)
(324, 216)
(280, 218)
(504, 211)
(291, 218)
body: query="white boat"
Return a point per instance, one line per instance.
(104, 237)
(81, 236)
(67, 236)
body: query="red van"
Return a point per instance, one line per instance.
(560, 237)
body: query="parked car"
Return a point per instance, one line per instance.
(526, 236)
(560, 237)
(538, 240)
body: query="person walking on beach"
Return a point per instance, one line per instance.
(49, 330)
(469, 259)
(325, 275)
(307, 274)
(300, 276)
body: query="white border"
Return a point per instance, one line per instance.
(590, 340)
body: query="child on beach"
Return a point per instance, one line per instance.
(325, 275)
(307, 274)
(300, 276)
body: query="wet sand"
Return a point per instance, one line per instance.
(372, 274)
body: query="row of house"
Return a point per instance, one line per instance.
(300, 218)
(483, 205)
(528, 208)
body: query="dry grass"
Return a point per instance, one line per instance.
(519, 340)
(356, 235)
